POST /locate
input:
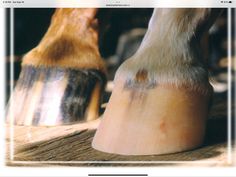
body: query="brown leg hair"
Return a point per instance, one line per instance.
(62, 79)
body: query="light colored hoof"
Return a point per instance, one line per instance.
(158, 120)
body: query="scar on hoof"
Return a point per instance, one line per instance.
(142, 81)
(141, 76)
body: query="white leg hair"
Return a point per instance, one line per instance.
(170, 51)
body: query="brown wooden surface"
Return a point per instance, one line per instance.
(71, 146)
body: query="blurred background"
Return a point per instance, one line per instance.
(120, 39)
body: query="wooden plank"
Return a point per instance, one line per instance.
(75, 145)
(70, 145)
